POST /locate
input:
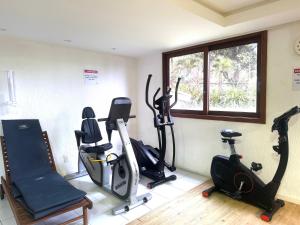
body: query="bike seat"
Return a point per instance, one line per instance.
(98, 149)
(230, 133)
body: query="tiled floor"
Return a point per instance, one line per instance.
(103, 202)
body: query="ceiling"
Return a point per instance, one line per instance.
(139, 27)
(227, 7)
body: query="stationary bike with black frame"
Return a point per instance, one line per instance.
(234, 179)
(152, 160)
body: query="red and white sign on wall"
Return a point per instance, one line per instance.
(296, 79)
(91, 77)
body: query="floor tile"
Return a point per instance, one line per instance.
(10, 221)
(104, 202)
(61, 218)
(5, 211)
(179, 173)
(136, 212)
(156, 201)
(85, 183)
(144, 181)
(107, 218)
(168, 191)
(188, 174)
(142, 189)
(106, 205)
(187, 183)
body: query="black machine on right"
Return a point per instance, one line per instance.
(151, 160)
(234, 179)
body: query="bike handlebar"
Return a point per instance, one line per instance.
(284, 118)
(105, 119)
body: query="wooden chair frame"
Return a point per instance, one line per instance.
(21, 215)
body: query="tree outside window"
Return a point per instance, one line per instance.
(224, 80)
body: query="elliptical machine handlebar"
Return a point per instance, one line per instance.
(154, 98)
(176, 93)
(152, 107)
(147, 93)
(168, 91)
(281, 122)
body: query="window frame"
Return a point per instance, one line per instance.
(257, 117)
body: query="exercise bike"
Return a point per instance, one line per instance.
(117, 174)
(235, 180)
(152, 160)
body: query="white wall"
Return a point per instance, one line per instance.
(50, 87)
(199, 140)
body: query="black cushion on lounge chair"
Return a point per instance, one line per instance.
(40, 214)
(51, 193)
(26, 148)
(49, 190)
(40, 189)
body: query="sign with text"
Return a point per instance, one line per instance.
(296, 79)
(91, 77)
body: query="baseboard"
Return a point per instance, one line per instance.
(289, 199)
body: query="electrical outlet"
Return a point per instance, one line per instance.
(297, 46)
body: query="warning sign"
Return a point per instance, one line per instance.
(91, 77)
(296, 79)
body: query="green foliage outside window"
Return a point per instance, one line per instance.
(232, 79)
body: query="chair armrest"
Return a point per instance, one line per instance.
(78, 134)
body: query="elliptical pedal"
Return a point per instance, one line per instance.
(153, 184)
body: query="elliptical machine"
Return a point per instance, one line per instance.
(117, 174)
(234, 179)
(152, 160)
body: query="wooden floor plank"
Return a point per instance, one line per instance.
(192, 209)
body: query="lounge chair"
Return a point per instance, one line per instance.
(35, 191)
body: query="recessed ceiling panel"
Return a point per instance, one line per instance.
(228, 6)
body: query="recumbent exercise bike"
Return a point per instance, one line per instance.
(117, 174)
(235, 180)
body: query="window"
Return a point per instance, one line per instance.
(223, 80)
(191, 87)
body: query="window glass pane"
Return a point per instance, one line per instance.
(233, 79)
(190, 91)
